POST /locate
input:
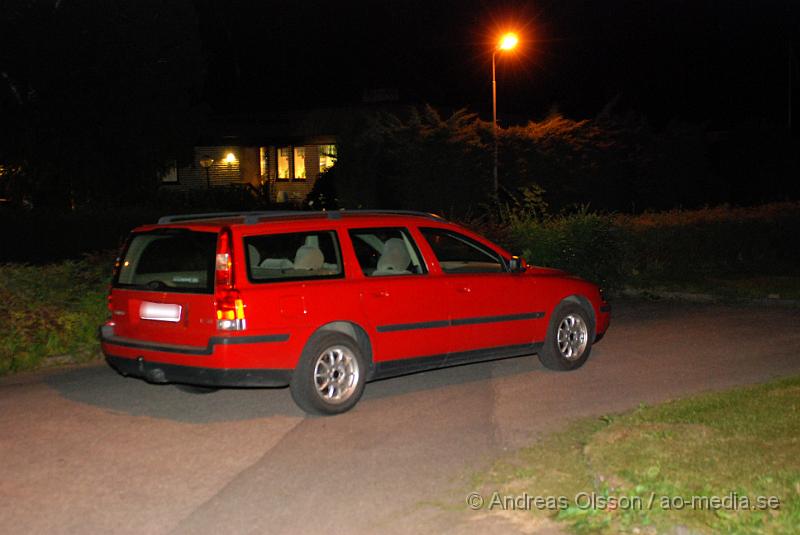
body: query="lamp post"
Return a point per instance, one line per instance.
(507, 42)
(206, 162)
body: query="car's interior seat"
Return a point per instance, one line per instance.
(308, 257)
(255, 256)
(394, 260)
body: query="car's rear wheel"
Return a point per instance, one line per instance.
(330, 376)
(569, 338)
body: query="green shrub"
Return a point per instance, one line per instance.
(685, 245)
(675, 246)
(584, 244)
(51, 310)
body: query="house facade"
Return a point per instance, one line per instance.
(279, 154)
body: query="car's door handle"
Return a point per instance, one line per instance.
(464, 289)
(381, 293)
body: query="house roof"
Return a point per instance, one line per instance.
(319, 125)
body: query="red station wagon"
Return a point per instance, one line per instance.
(326, 301)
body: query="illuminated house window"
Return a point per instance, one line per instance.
(263, 157)
(327, 157)
(169, 176)
(299, 162)
(283, 162)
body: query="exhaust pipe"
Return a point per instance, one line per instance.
(156, 375)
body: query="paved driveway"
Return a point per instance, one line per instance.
(84, 450)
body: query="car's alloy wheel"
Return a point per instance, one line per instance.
(330, 375)
(336, 374)
(568, 342)
(572, 337)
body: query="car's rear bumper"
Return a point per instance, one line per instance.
(159, 372)
(251, 361)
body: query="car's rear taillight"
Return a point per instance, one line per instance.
(230, 311)
(114, 275)
(224, 262)
(229, 304)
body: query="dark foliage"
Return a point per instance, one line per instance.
(421, 160)
(96, 98)
(45, 236)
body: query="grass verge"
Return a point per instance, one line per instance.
(51, 310)
(683, 466)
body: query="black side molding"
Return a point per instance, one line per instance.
(157, 372)
(412, 326)
(458, 321)
(497, 319)
(393, 368)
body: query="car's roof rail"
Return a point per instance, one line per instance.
(251, 217)
(367, 211)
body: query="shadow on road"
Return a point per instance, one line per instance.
(102, 387)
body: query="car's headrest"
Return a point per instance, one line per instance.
(308, 257)
(395, 256)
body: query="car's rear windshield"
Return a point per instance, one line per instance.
(169, 260)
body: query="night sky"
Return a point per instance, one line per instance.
(718, 62)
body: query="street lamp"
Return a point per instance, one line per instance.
(507, 42)
(206, 162)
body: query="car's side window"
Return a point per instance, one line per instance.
(386, 251)
(298, 255)
(457, 253)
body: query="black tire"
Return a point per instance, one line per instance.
(193, 389)
(575, 345)
(330, 375)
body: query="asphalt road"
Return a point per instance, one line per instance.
(84, 450)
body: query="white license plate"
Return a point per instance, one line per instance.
(160, 312)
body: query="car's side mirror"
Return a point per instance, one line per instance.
(517, 264)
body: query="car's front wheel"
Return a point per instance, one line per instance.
(330, 376)
(569, 338)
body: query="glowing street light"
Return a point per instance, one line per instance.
(508, 41)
